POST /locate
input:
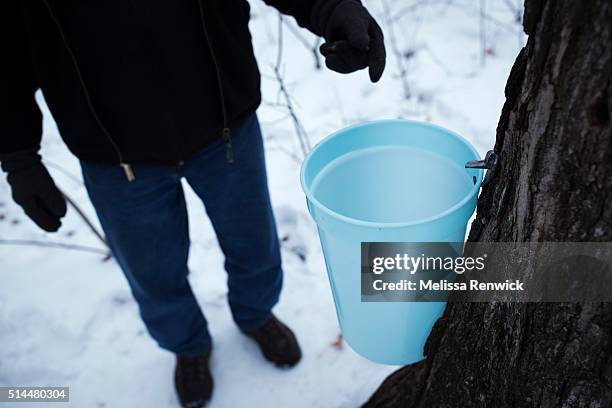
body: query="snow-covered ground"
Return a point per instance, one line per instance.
(67, 317)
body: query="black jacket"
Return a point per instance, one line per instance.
(138, 81)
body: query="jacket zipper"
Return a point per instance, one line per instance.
(227, 137)
(127, 168)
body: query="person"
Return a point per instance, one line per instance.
(146, 94)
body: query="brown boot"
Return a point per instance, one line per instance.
(277, 343)
(193, 380)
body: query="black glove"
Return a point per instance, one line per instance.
(354, 39)
(34, 189)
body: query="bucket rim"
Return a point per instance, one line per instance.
(371, 224)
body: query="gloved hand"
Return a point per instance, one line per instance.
(33, 189)
(353, 38)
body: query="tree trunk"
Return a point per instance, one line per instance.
(553, 183)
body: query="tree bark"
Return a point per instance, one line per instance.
(553, 183)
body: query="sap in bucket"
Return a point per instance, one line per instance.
(387, 181)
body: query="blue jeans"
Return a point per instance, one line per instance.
(145, 222)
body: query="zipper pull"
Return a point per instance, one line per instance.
(229, 150)
(129, 173)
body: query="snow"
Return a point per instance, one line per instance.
(67, 317)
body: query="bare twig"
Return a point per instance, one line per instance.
(438, 61)
(85, 219)
(282, 149)
(510, 27)
(62, 170)
(412, 8)
(485, 17)
(299, 128)
(73, 204)
(483, 32)
(312, 48)
(289, 153)
(61, 245)
(274, 121)
(399, 55)
(514, 8)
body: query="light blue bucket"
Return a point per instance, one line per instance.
(387, 181)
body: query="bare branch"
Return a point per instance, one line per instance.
(483, 32)
(60, 245)
(86, 219)
(399, 55)
(312, 48)
(299, 128)
(65, 172)
(413, 7)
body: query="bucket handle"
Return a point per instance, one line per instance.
(489, 163)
